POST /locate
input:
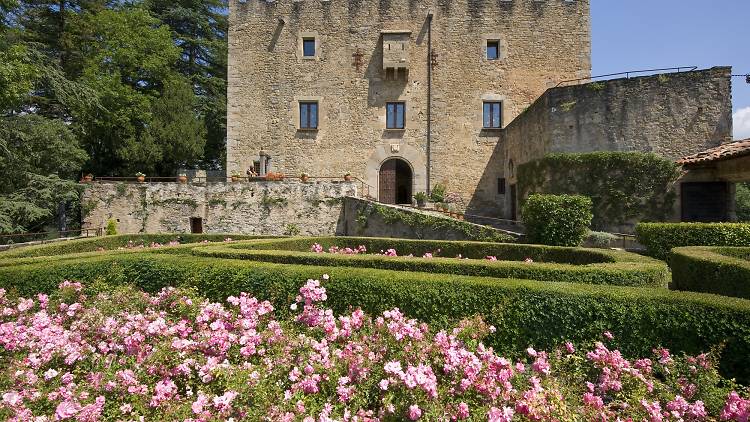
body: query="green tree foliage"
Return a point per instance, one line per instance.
(38, 157)
(199, 28)
(174, 119)
(126, 57)
(742, 199)
(123, 86)
(17, 76)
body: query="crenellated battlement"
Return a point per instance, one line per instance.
(408, 9)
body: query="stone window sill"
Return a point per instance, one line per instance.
(492, 129)
(395, 129)
(307, 129)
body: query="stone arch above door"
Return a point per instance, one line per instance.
(413, 156)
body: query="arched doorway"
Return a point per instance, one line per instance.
(395, 182)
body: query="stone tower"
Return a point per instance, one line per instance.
(403, 94)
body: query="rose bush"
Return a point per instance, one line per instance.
(120, 354)
(361, 250)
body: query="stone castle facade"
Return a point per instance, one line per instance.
(407, 94)
(403, 94)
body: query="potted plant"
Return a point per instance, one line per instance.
(236, 177)
(182, 178)
(421, 199)
(140, 177)
(88, 178)
(347, 177)
(451, 210)
(438, 193)
(304, 177)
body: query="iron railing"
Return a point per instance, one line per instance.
(628, 73)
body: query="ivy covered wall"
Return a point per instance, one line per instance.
(625, 187)
(372, 219)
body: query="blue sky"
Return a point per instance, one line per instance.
(646, 34)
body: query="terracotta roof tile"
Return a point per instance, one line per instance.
(722, 152)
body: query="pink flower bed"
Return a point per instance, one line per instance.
(361, 249)
(127, 355)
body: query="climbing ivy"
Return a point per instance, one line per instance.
(623, 186)
(421, 222)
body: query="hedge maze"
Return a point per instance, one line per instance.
(535, 295)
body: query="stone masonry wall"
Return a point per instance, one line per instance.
(541, 43)
(263, 208)
(672, 115)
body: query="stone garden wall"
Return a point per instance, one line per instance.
(267, 208)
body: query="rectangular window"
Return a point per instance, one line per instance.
(493, 50)
(493, 115)
(395, 115)
(308, 47)
(308, 115)
(501, 186)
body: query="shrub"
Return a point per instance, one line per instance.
(720, 270)
(525, 312)
(292, 230)
(624, 186)
(175, 356)
(561, 220)
(111, 229)
(660, 238)
(549, 263)
(600, 239)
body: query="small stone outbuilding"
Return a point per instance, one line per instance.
(707, 191)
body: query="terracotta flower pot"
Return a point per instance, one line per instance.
(304, 178)
(347, 177)
(141, 179)
(235, 179)
(182, 179)
(87, 178)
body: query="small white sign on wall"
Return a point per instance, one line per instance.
(395, 148)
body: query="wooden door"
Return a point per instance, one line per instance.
(387, 182)
(196, 225)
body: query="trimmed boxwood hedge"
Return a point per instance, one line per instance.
(720, 270)
(562, 220)
(525, 312)
(578, 265)
(114, 242)
(451, 249)
(660, 238)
